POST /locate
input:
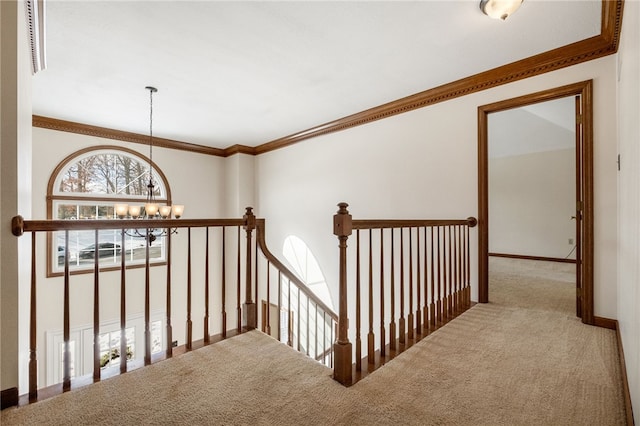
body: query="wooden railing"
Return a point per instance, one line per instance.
(240, 282)
(418, 280)
(310, 324)
(415, 278)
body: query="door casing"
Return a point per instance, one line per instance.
(584, 160)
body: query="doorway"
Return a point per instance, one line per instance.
(582, 93)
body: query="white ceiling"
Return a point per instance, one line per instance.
(250, 72)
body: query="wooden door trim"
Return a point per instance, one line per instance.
(585, 90)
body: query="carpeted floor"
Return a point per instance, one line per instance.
(523, 359)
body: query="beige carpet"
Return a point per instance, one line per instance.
(517, 361)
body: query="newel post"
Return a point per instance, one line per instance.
(342, 225)
(249, 311)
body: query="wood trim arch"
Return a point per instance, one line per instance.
(69, 158)
(51, 196)
(585, 90)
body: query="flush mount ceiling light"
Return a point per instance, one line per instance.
(499, 9)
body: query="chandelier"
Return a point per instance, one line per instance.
(151, 208)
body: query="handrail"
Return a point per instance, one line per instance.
(442, 255)
(19, 225)
(409, 223)
(260, 226)
(309, 324)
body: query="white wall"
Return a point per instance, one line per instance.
(423, 164)
(629, 198)
(531, 202)
(240, 185)
(197, 181)
(15, 181)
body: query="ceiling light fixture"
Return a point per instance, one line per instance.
(152, 210)
(499, 9)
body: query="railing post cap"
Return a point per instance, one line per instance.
(342, 225)
(249, 218)
(472, 221)
(17, 225)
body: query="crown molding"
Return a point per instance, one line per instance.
(606, 43)
(572, 54)
(119, 135)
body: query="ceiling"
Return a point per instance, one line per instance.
(248, 73)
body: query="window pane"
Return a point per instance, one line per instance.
(72, 367)
(67, 211)
(82, 244)
(87, 212)
(108, 173)
(156, 337)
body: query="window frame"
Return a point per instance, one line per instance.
(53, 196)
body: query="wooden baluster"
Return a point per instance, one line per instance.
(123, 306)
(289, 319)
(439, 275)
(432, 306)
(299, 320)
(256, 297)
(147, 290)
(371, 336)
(268, 320)
(250, 316)
(96, 313)
(463, 268)
(279, 305)
(418, 296)
(401, 323)
(316, 334)
(66, 357)
(425, 309)
(333, 333)
(238, 290)
(445, 276)
(224, 286)
(324, 338)
(382, 329)
(206, 287)
(468, 278)
(308, 327)
(452, 261)
(450, 282)
(447, 273)
(459, 270)
(392, 323)
(358, 313)
(189, 343)
(169, 327)
(410, 316)
(33, 317)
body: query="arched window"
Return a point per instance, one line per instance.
(306, 266)
(85, 186)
